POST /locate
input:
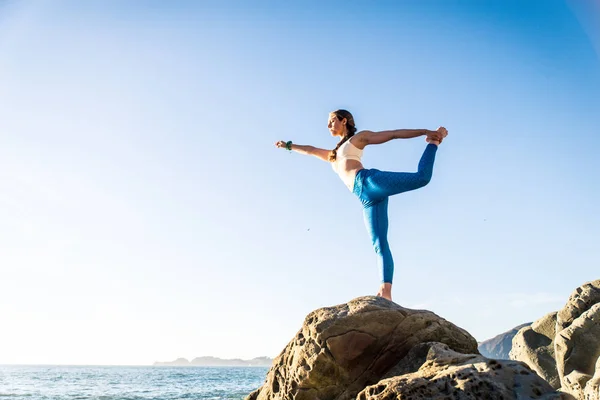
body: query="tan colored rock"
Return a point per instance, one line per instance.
(592, 388)
(577, 349)
(546, 325)
(342, 349)
(580, 300)
(534, 345)
(564, 347)
(574, 383)
(439, 373)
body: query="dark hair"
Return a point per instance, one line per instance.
(350, 130)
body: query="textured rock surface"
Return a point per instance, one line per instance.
(580, 300)
(499, 346)
(433, 371)
(565, 349)
(592, 388)
(342, 349)
(534, 345)
(577, 349)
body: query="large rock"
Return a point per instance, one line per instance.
(564, 348)
(592, 388)
(534, 345)
(375, 349)
(435, 372)
(342, 349)
(500, 345)
(580, 300)
(577, 350)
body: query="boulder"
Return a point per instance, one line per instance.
(580, 300)
(435, 372)
(577, 350)
(592, 388)
(342, 349)
(564, 347)
(534, 345)
(372, 348)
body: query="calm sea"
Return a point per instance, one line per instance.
(128, 383)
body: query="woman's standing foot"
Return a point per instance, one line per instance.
(385, 291)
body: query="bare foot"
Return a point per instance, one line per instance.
(443, 132)
(385, 291)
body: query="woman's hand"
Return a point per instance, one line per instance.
(304, 149)
(437, 136)
(433, 135)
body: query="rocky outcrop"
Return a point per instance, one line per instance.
(577, 349)
(592, 388)
(564, 347)
(499, 346)
(534, 345)
(435, 372)
(371, 347)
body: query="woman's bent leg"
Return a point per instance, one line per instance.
(376, 221)
(381, 184)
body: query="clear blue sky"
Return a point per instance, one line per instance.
(145, 213)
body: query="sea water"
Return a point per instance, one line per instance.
(128, 383)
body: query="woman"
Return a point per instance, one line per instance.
(373, 187)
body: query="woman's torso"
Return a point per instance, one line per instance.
(348, 163)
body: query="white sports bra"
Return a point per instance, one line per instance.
(347, 151)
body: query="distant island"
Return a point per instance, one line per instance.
(216, 362)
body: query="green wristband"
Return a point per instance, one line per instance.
(288, 145)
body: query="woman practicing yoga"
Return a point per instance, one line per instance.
(373, 187)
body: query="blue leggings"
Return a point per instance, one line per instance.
(373, 187)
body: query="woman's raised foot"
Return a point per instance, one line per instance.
(436, 137)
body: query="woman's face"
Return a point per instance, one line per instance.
(335, 126)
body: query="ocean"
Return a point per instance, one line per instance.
(128, 383)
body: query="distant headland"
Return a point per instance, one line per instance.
(216, 362)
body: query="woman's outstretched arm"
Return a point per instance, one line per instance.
(370, 137)
(304, 149)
